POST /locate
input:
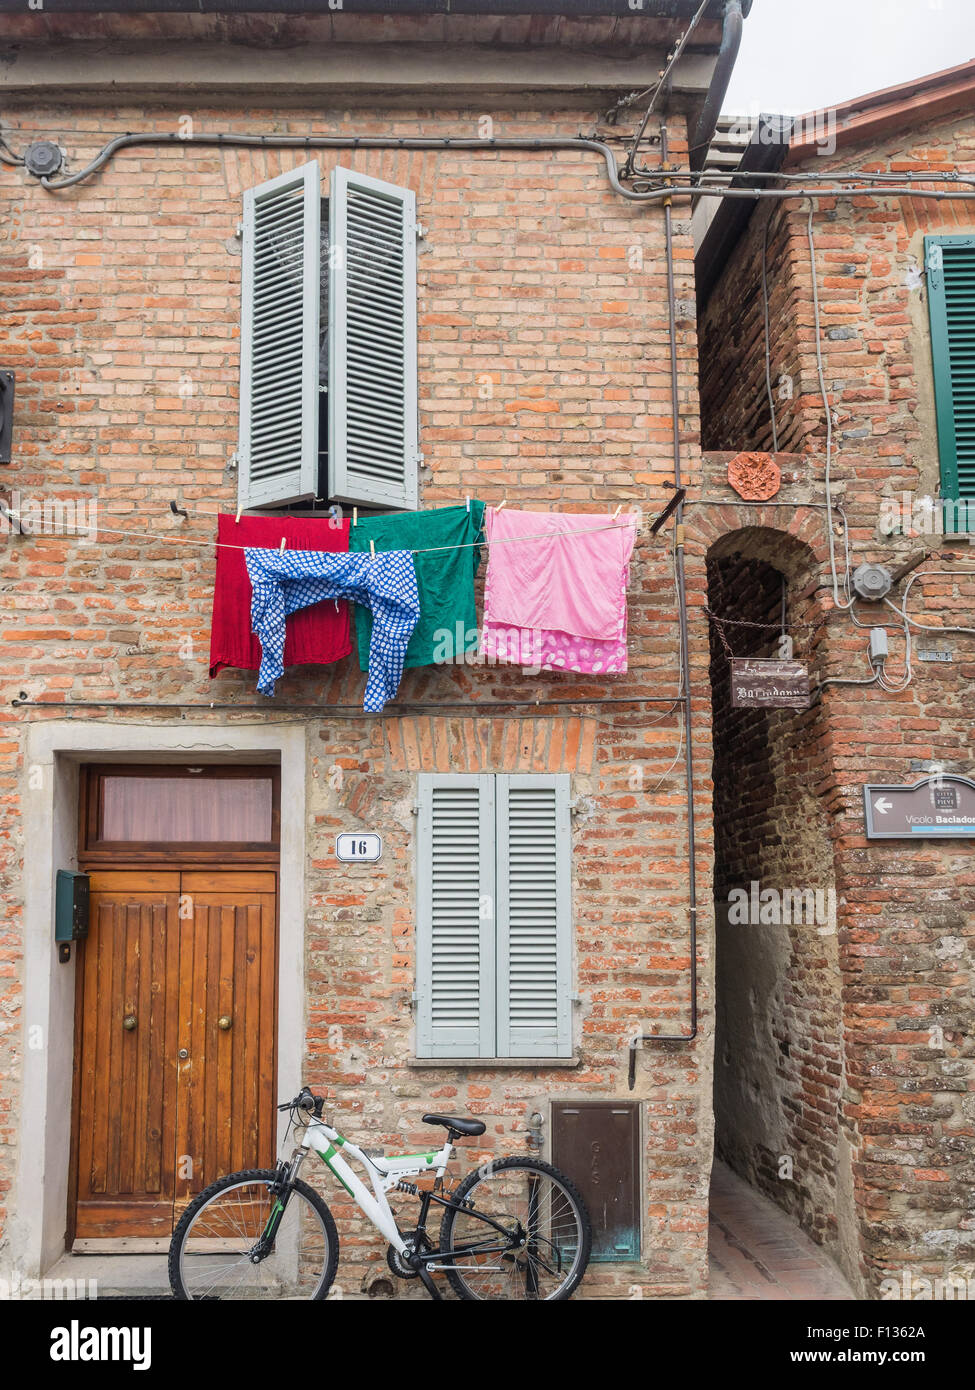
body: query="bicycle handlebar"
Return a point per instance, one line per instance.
(305, 1100)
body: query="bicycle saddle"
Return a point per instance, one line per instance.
(468, 1127)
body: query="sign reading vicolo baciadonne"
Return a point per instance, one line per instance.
(934, 808)
(757, 683)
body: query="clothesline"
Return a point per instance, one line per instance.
(429, 550)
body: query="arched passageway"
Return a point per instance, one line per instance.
(778, 1063)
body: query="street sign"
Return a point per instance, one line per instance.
(358, 849)
(757, 683)
(939, 807)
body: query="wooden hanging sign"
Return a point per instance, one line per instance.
(757, 683)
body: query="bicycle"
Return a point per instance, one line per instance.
(515, 1228)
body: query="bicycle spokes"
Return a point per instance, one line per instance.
(518, 1236)
(246, 1243)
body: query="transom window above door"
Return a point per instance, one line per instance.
(198, 811)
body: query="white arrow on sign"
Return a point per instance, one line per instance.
(883, 805)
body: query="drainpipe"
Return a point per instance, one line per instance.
(683, 643)
(734, 18)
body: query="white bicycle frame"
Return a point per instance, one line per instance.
(384, 1173)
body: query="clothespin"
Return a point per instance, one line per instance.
(501, 504)
(468, 504)
(282, 545)
(237, 517)
(372, 549)
(355, 516)
(618, 510)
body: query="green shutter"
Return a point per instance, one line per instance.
(534, 916)
(455, 916)
(280, 272)
(950, 264)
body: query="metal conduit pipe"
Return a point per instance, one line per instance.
(649, 194)
(683, 647)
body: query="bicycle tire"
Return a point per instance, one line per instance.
(269, 1175)
(457, 1282)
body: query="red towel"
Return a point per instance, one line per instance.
(313, 636)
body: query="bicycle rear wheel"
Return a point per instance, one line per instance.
(210, 1256)
(538, 1248)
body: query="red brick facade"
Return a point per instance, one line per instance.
(896, 1091)
(544, 379)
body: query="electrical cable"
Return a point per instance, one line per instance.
(647, 194)
(661, 86)
(226, 545)
(768, 342)
(929, 627)
(840, 603)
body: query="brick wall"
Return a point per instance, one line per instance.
(544, 378)
(905, 912)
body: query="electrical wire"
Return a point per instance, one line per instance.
(848, 601)
(646, 193)
(929, 627)
(768, 342)
(226, 545)
(661, 86)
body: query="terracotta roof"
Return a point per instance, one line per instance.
(919, 100)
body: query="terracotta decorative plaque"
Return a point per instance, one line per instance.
(755, 477)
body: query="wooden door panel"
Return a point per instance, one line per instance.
(126, 1077)
(178, 952)
(225, 1110)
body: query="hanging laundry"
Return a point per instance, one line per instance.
(313, 636)
(444, 578)
(285, 581)
(559, 601)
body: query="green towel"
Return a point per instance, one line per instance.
(445, 579)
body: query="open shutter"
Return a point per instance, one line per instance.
(455, 916)
(950, 262)
(372, 445)
(534, 916)
(278, 454)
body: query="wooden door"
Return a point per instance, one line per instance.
(176, 962)
(225, 1097)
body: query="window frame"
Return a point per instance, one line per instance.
(96, 852)
(263, 413)
(496, 1043)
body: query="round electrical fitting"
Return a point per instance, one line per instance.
(43, 158)
(872, 582)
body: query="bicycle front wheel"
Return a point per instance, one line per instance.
(522, 1233)
(212, 1254)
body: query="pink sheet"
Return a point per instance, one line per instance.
(558, 602)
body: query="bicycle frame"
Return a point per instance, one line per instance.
(384, 1173)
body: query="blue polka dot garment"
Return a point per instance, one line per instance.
(284, 581)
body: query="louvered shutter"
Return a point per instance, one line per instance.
(534, 916)
(950, 262)
(455, 916)
(372, 448)
(278, 451)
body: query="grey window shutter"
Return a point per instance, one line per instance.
(455, 916)
(278, 452)
(534, 916)
(372, 443)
